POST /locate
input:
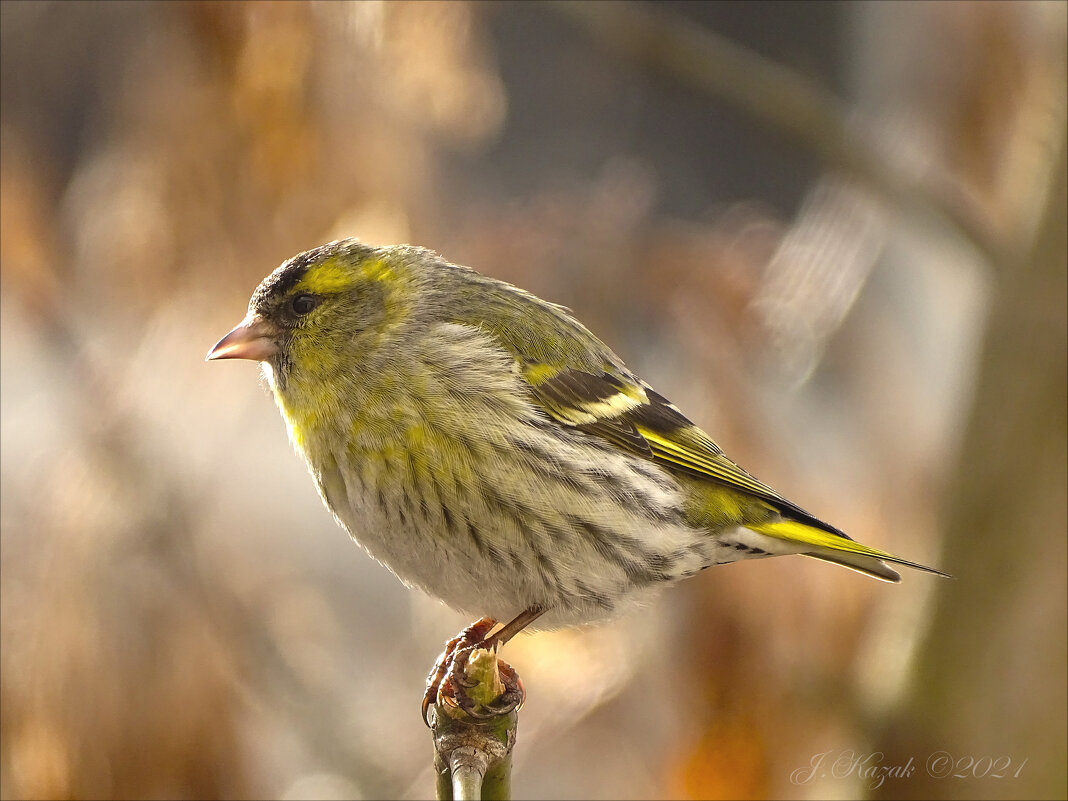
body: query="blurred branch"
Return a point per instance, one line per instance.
(782, 98)
(1007, 607)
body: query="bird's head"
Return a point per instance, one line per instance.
(319, 314)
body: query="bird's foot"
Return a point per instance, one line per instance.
(454, 687)
(448, 682)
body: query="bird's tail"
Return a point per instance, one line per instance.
(810, 541)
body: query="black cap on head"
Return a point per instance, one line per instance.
(293, 270)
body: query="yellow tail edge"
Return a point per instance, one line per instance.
(839, 550)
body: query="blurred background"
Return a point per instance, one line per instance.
(833, 233)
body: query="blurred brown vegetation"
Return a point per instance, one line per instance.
(181, 618)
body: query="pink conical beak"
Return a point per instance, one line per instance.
(254, 338)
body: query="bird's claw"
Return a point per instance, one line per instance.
(448, 682)
(465, 640)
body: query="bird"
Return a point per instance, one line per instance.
(488, 449)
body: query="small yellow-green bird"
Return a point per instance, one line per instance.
(487, 448)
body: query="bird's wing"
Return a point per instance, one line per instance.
(630, 414)
(579, 382)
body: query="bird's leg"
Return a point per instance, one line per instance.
(449, 678)
(516, 625)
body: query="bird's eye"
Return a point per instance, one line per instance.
(302, 304)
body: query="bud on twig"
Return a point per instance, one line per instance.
(472, 756)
